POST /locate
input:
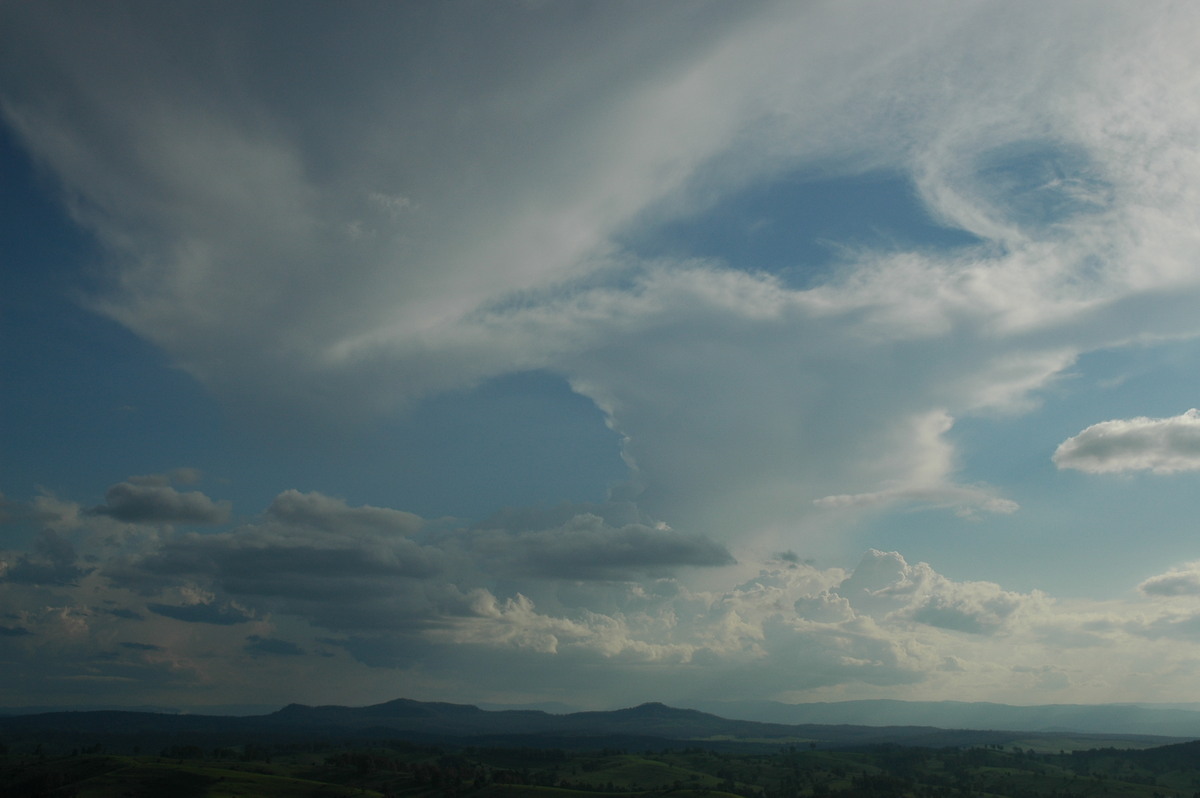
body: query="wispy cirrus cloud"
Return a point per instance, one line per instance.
(468, 253)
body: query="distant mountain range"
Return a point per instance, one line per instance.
(649, 726)
(1181, 720)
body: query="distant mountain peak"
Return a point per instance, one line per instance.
(657, 709)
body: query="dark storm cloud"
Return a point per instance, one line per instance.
(278, 567)
(221, 615)
(14, 631)
(141, 646)
(308, 546)
(257, 646)
(127, 614)
(52, 562)
(312, 556)
(145, 502)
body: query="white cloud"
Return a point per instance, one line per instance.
(1182, 581)
(497, 192)
(884, 585)
(1161, 445)
(405, 213)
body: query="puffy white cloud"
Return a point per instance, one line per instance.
(1161, 445)
(885, 585)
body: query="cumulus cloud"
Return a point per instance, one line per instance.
(148, 501)
(1182, 581)
(516, 622)
(1160, 445)
(884, 584)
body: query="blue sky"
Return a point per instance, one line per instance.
(598, 352)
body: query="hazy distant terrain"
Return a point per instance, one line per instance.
(1171, 720)
(442, 750)
(651, 725)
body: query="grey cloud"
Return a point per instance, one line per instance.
(587, 548)
(257, 645)
(308, 546)
(14, 631)
(328, 514)
(274, 177)
(127, 614)
(185, 475)
(52, 562)
(310, 555)
(149, 480)
(968, 613)
(221, 615)
(382, 652)
(1181, 626)
(153, 503)
(1160, 445)
(141, 646)
(537, 519)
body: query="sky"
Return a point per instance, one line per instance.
(599, 352)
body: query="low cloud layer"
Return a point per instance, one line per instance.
(1160, 445)
(320, 587)
(585, 547)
